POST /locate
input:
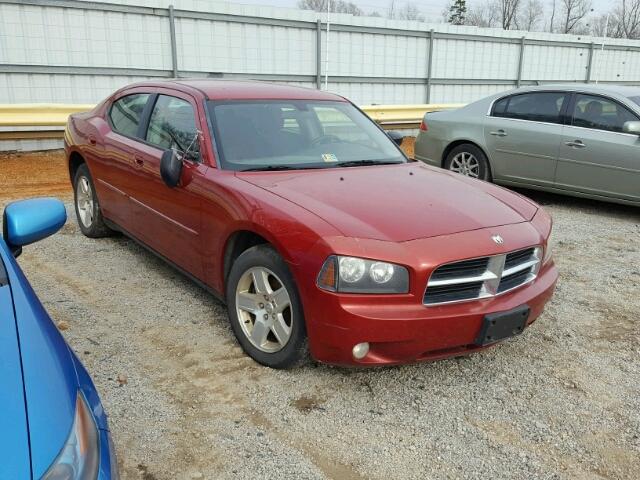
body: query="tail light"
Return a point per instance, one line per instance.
(423, 126)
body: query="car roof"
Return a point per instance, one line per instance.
(624, 90)
(214, 89)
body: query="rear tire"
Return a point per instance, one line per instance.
(88, 212)
(265, 309)
(470, 161)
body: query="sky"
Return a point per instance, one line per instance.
(431, 9)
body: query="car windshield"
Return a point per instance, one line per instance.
(635, 99)
(281, 135)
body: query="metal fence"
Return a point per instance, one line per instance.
(77, 51)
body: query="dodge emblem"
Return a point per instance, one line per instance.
(498, 239)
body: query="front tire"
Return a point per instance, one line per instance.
(265, 309)
(470, 161)
(88, 212)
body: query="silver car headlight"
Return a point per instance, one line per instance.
(359, 275)
(79, 459)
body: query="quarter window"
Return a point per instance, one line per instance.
(600, 113)
(173, 125)
(534, 106)
(125, 113)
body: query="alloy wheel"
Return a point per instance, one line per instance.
(84, 202)
(264, 309)
(466, 164)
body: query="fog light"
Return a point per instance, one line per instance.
(360, 350)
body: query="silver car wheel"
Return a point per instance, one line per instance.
(264, 309)
(466, 164)
(84, 202)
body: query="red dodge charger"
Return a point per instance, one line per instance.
(306, 218)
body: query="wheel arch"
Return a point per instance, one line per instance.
(237, 243)
(75, 160)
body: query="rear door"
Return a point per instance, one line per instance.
(596, 157)
(169, 219)
(523, 134)
(113, 166)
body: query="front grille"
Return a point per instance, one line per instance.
(482, 277)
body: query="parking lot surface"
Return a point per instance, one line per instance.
(560, 401)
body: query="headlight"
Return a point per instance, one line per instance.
(358, 275)
(80, 456)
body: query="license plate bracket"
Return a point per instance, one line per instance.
(498, 326)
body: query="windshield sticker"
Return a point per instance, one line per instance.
(329, 157)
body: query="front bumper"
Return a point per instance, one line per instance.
(400, 328)
(413, 333)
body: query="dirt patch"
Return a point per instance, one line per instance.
(33, 174)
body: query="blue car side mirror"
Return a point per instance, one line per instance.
(28, 221)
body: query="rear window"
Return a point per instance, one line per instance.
(534, 106)
(125, 113)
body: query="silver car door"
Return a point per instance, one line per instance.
(596, 157)
(523, 134)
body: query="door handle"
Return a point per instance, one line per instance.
(575, 143)
(138, 160)
(499, 133)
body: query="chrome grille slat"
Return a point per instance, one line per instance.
(482, 277)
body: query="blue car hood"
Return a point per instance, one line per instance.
(51, 378)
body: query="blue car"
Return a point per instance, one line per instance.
(52, 424)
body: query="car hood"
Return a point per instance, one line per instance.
(49, 384)
(396, 202)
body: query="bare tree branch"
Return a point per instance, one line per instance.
(573, 11)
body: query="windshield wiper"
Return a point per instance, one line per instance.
(276, 167)
(357, 163)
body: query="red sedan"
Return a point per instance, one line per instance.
(300, 213)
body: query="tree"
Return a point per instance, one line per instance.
(508, 10)
(573, 12)
(486, 15)
(409, 12)
(337, 6)
(458, 12)
(530, 15)
(624, 20)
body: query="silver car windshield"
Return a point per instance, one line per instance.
(281, 135)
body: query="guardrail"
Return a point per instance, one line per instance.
(46, 121)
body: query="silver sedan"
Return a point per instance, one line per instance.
(581, 140)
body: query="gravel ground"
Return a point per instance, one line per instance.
(560, 401)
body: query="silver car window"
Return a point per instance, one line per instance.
(600, 113)
(533, 106)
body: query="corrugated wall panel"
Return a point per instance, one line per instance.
(38, 35)
(555, 63)
(59, 88)
(616, 65)
(473, 59)
(380, 93)
(464, 93)
(374, 55)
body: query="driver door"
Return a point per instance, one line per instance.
(169, 219)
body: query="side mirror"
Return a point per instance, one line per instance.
(397, 137)
(171, 168)
(27, 221)
(631, 127)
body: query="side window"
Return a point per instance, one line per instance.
(125, 113)
(173, 125)
(599, 113)
(534, 106)
(500, 107)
